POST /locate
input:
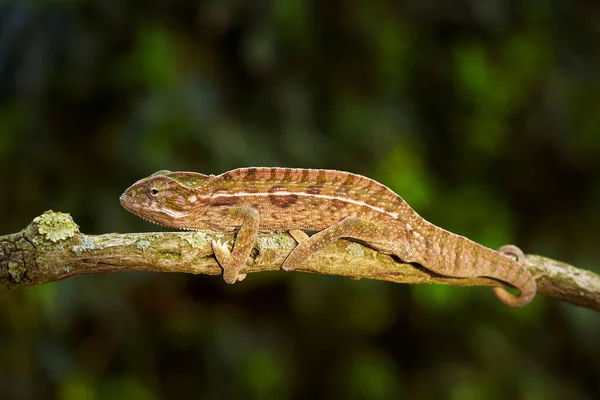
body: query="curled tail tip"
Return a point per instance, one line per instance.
(527, 285)
(512, 300)
(513, 251)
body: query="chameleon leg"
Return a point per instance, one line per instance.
(233, 262)
(298, 235)
(349, 227)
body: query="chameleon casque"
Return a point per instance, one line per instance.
(333, 204)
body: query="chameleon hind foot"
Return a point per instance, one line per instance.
(348, 227)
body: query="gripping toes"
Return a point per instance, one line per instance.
(349, 227)
(231, 271)
(232, 262)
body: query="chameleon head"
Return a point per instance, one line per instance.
(173, 199)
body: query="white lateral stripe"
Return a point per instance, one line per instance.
(174, 214)
(320, 196)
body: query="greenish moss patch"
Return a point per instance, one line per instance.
(56, 226)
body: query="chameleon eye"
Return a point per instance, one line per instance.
(152, 191)
(156, 188)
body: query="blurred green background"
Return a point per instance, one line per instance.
(483, 115)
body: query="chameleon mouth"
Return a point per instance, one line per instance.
(127, 204)
(183, 228)
(132, 210)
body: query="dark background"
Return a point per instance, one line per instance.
(483, 115)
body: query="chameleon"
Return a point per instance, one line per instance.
(334, 204)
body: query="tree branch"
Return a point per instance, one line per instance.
(51, 248)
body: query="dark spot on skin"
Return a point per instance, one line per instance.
(337, 203)
(273, 172)
(250, 174)
(321, 179)
(227, 177)
(349, 181)
(314, 189)
(304, 177)
(225, 201)
(281, 201)
(287, 175)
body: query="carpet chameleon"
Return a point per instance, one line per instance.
(334, 204)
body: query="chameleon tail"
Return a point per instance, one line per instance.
(460, 257)
(527, 294)
(523, 279)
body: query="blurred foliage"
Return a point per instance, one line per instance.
(483, 115)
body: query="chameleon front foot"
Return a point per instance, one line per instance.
(232, 262)
(231, 268)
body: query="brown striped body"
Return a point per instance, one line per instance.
(313, 200)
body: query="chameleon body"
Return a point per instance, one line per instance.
(333, 204)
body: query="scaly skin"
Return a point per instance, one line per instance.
(334, 204)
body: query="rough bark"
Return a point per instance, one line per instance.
(51, 248)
